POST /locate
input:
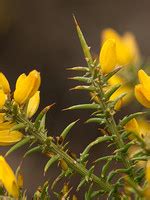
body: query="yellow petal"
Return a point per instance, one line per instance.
(3, 98)
(124, 56)
(133, 126)
(4, 84)
(20, 79)
(140, 97)
(130, 41)
(107, 58)
(33, 104)
(27, 86)
(8, 178)
(8, 137)
(143, 77)
(109, 33)
(6, 125)
(144, 127)
(147, 173)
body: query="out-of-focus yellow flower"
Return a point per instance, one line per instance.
(140, 126)
(3, 98)
(108, 58)
(27, 86)
(126, 46)
(33, 104)
(4, 84)
(124, 88)
(133, 126)
(142, 90)
(74, 197)
(8, 178)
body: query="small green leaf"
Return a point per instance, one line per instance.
(81, 79)
(96, 120)
(83, 106)
(33, 150)
(67, 129)
(98, 140)
(84, 87)
(126, 119)
(41, 115)
(84, 69)
(111, 91)
(50, 162)
(108, 76)
(18, 145)
(82, 182)
(18, 127)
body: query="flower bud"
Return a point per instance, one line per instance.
(27, 86)
(108, 58)
(33, 104)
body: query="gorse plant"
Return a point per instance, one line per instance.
(109, 88)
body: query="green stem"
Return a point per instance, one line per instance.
(112, 127)
(51, 146)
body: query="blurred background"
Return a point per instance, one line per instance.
(41, 35)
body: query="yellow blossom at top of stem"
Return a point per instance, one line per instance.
(8, 179)
(126, 46)
(33, 104)
(4, 84)
(107, 57)
(26, 86)
(142, 90)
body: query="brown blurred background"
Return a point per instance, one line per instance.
(41, 34)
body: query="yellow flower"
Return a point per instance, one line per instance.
(33, 104)
(27, 86)
(8, 137)
(142, 90)
(8, 178)
(4, 84)
(126, 46)
(3, 98)
(107, 58)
